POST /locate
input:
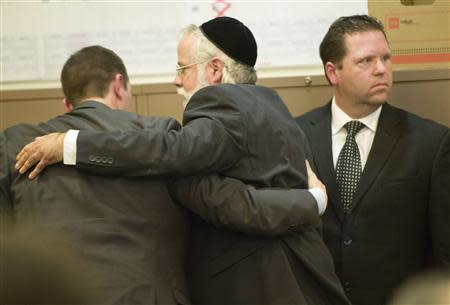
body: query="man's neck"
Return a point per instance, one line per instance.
(356, 111)
(339, 118)
(98, 99)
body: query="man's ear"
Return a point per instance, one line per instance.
(67, 105)
(216, 65)
(331, 71)
(118, 85)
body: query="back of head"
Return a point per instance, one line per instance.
(333, 48)
(231, 41)
(89, 72)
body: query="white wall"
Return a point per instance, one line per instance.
(38, 36)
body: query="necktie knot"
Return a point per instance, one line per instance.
(353, 127)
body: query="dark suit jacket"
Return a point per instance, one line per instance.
(245, 132)
(229, 203)
(401, 207)
(129, 230)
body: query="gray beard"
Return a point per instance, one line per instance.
(201, 83)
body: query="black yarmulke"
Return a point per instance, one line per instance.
(233, 38)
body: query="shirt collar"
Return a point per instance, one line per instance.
(339, 118)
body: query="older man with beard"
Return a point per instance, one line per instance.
(236, 129)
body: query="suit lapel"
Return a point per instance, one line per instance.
(386, 136)
(320, 141)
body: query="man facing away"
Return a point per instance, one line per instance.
(129, 231)
(382, 228)
(237, 129)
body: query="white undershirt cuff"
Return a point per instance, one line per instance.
(320, 197)
(70, 147)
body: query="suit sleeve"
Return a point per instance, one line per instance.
(209, 141)
(5, 200)
(440, 203)
(231, 204)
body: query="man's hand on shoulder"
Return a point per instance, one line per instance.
(43, 151)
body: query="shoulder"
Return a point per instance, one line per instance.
(150, 122)
(413, 122)
(414, 131)
(24, 132)
(313, 116)
(234, 89)
(17, 136)
(217, 99)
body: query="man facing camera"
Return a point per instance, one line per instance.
(129, 231)
(239, 130)
(387, 171)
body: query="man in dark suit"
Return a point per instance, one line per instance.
(400, 210)
(237, 130)
(129, 231)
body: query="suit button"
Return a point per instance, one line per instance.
(98, 159)
(104, 159)
(91, 158)
(347, 286)
(110, 160)
(348, 242)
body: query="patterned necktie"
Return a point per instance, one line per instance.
(348, 168)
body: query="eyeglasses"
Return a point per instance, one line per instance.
(180, 69)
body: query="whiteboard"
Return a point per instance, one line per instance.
(37, 37)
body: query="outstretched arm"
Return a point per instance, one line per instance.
(231, 204)
(212, 125)
(139, 152)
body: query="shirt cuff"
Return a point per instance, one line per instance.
(70, 147)
(320, 198)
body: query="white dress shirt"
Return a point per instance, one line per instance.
(364, 138)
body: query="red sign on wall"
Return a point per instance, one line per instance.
(221, 6)
(393, 23)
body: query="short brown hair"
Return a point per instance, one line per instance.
(89, 71)
(333, 48)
